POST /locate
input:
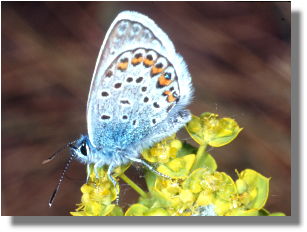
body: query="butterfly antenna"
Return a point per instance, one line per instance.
(58, 152)
(60, 180)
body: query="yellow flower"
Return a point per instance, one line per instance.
(209, 129)
(253, 189)
(97, 196)
(211, 189)
(163, 151)
(141, 210)
(195, 187)
(179, 167)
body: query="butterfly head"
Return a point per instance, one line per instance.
(82, 149)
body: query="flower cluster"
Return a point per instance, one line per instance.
(98, 195)
(164, 151)
(195, 187)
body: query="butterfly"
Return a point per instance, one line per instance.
(138, 95)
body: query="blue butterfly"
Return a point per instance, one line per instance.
(139, 91)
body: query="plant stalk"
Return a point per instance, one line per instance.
(132, 185)
(200, 153)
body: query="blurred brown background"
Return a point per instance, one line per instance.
(239, 57)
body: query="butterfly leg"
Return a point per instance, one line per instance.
(88, 171)
(97, 166)
(114, 182)
(148, 166)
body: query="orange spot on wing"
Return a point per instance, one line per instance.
(167, 92)
(170, 96)
(156, 70)
(163, 81)
(135, 61)
(148, 62)
(122, 66)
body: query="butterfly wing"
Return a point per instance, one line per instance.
(139, 81)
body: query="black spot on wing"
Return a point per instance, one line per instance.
(109, 73)
(159, 65)
(117, 85)
(104, 94)
(104, 117)
(149, 57)
(125, 102)
(169, 108)
(156, 105)
(138, 80)
(124, 60)
(129, 79)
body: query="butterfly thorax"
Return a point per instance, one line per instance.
(88, 153)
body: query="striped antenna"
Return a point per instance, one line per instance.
(70, 144)
(60, 180)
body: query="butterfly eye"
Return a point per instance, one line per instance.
(83, 149)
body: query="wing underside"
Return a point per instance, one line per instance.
(136, 81)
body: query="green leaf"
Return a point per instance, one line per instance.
(117, 211)
(136, 210)
(241, 186)
(257, 188)
(277, 214)
(179, 167)
(156, 212)
(186, 150)
(151, 201)
(196, 130)
(150, 179)
(242, 212)
(106, 210)
(263, 212)
(206, 161)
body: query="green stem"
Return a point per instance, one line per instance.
(201, 152)
(133, 185)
